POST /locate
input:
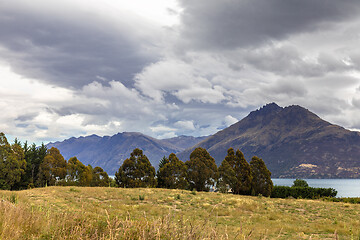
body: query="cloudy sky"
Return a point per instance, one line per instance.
(172, 67)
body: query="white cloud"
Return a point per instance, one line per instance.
(187, 125)
(230, 120)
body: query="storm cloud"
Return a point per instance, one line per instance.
(74, 68)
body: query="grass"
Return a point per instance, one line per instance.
(116, 213)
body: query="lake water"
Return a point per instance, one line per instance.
(344, 187)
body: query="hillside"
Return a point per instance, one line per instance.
(149, 213)
(109, 152)
(292, 141)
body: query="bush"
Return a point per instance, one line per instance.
(302, 192)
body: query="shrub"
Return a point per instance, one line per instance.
(302, 192)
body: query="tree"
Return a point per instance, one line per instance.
(53, 168)
(262, 183)
(78, 173)
(12, 163)
(235, 172)
(300, 183)
(243, 174)
(172, 173)
(136, 171)
(202, 170)
(227, 178)
(100, 178)
(34, 156)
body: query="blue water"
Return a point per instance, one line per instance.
(344, 187)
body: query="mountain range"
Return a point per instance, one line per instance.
(109, 152)
(292, 141)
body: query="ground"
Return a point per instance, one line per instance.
(148, 213)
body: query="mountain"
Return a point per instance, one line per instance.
(109, 152)
(292, 141)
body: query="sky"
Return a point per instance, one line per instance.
(167, 68)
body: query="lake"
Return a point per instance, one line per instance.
(344, 187)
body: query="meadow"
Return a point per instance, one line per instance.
(150, 213)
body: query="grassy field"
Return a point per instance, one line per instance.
(115, 213)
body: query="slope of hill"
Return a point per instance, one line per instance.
(110, 152)
(292, 141)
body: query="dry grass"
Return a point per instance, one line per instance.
(113, 213)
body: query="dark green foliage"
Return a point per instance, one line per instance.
(100, 178)
(163, 161)
(12, 163)
(172, 173)
(302, 192)
(261, 183)
(227, 177)
(235, 172)
(53, 168)
(202, 170)
(243, 174)
(136, 171)
(78, 173)
(300, 183)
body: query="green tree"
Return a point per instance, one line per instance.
(12, 163)
(172, 173)
(78, 173)
(227, 178)
(163, 161)
(202, 170)
(136, 171)
(53, 168)
(235, 172)
(300, 183)
(100, 178)
(261, 183)
(243, 174)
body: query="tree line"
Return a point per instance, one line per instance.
(199, 173)
(25, 166)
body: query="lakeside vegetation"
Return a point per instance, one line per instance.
(23, 167)
(151, 213)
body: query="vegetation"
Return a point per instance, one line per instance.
(235, 172)
(152, 213)
(261, 183)
(300, 183)
(23, 167)
(172, 173)
(202, 170)
(301, 189)
(136, 171)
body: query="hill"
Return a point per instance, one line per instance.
(293, 142)
(110, 151)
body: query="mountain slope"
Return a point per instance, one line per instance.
(292, 141)
(110, 152)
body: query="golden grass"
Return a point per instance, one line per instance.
(116, 213)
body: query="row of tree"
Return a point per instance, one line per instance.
(235, 174)
(23, 166)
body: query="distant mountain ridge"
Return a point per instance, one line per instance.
(109, 152)
(292, 141)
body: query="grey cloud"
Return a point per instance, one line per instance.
(239, 23)
(288, 60)
(73, 49)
